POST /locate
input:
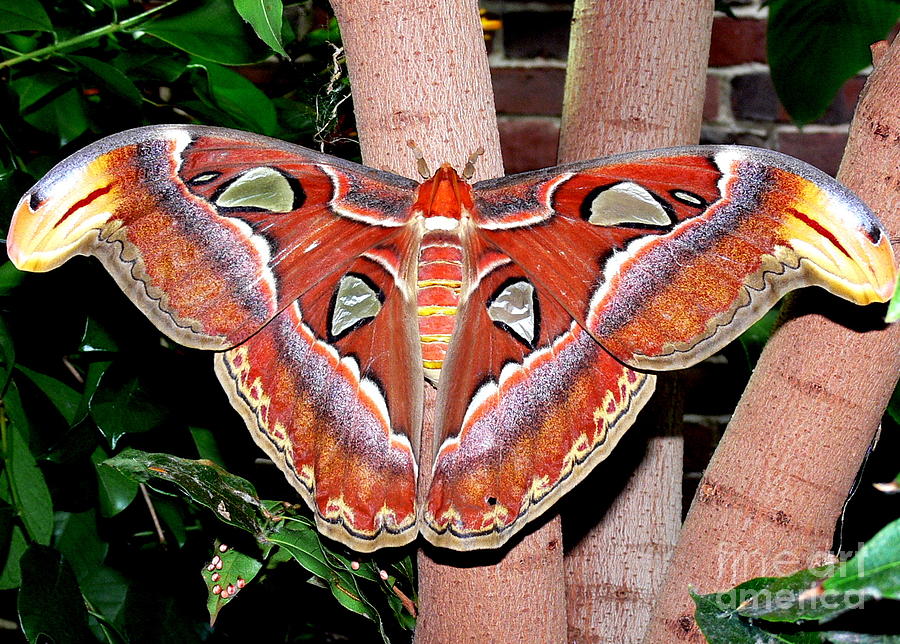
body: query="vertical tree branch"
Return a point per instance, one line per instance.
(419, 71)
(636, 80)
(776, 485)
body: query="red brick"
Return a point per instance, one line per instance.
(528, 90)
(711, 99)
(737, 40)
(753, 98)
(528, 143)
(821, 149)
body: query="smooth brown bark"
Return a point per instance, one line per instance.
(776, 485)
(419, 72)
(636, 80)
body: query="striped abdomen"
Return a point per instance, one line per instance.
(439, 282)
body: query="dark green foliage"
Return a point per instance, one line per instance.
(96, 405)
(815, 46)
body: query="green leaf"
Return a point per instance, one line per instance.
(7, 355)
(893, 312)
(115, 490)
(151, 66)
(24, 15)
(11, 575)
(240, 98)
(778, 599)
(170, 513)
(213, 30)
(106, 589)
(815, 594)
(92, 378)
(265, 18)
(31, 88)
(893, 408)
(10, 278)
(225, 575)
(63, 116)
(323, 35)
(96, 338)
(75, 536)
(232, 498)
(50, 603)
(110, 78)
(874, 572)
(814, 46)
(62, 396)
(120, 406)
(299, 537)
(721, 625)
(29, 489)
(206, 444)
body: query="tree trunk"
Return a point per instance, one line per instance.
(636, 79)
(419, 71)
(777, 483)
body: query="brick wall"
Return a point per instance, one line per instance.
(528, 66)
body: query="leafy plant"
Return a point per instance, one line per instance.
(815, 46)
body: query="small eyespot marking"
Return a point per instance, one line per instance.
(356, 301)
(689, 198)
(624, 204)
(203, 177)
(513, 308)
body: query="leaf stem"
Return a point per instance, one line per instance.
(156, 524)
(89, 36)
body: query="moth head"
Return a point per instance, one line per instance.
(64, 212)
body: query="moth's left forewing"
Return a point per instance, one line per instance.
(665, 256)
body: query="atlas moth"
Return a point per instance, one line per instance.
(539, 304)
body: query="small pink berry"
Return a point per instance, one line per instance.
(354, 565)
(223, 548)
(219, 566)
(216, 589)
(383, 574)
(216, 559)
(211, 567)
(241, 582)
(224, 594)
(231, 590)
(215, 576)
